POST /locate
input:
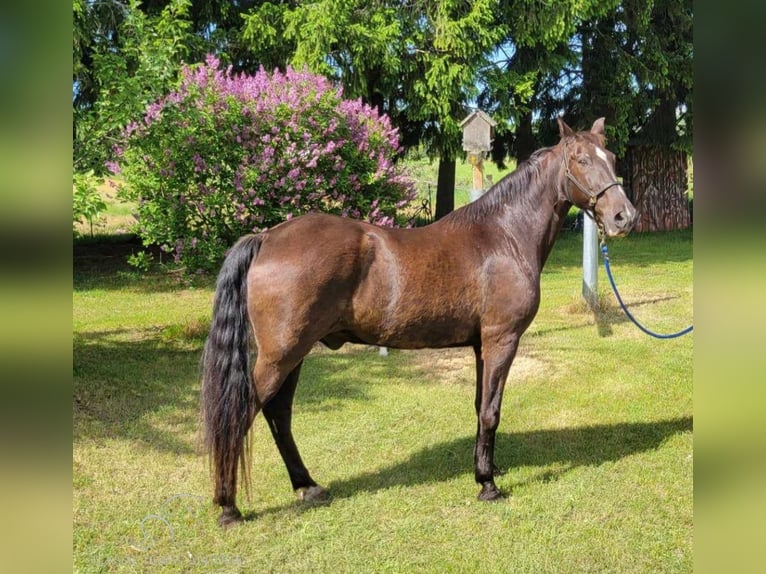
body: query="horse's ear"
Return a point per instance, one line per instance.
(598, 127)
(564, 129)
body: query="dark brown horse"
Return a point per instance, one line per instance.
(470, 279)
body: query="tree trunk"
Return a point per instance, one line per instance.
(526, 142)
(445, 187)
(657, 182)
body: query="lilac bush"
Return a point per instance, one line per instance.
(228, 154)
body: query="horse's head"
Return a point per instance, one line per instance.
(591, 181)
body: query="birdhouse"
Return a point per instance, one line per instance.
(478, 132)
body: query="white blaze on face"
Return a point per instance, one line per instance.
(605, 158)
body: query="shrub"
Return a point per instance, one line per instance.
(87, 203)
(227, 154)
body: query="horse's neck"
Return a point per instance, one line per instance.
(534, 234)
(560, 210)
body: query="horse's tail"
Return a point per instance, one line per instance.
(227, 394)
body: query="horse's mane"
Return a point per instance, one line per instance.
(519, 187)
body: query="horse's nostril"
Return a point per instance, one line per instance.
(620, 217)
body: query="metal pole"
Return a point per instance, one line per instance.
(590, 262)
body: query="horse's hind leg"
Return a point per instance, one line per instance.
(278, 413)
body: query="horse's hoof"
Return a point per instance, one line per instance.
(489, 492)
(229, 517)
(314, 494)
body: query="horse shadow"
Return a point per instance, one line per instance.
(566, 448)
(562, 449)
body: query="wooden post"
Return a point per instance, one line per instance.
(478, 133)
(477, 163)
(590, 262)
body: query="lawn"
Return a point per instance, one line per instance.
(595, 437)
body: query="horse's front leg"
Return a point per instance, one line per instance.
(493, 362)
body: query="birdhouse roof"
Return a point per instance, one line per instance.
(478, 114)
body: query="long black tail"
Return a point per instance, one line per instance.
(228, 395)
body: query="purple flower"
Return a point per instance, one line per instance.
(113, 167)
(225, 148)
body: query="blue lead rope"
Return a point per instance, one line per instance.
(605, 252)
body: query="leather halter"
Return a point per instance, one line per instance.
(592, 196)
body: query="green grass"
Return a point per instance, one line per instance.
(595, 438)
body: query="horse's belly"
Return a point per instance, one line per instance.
(418, 332)
(427, 340)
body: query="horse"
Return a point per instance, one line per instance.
(470, 279)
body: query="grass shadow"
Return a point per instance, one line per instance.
(325, 382)
(564, 449)
(119, 384)
(143, 385)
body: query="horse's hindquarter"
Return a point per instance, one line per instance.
(302, 281)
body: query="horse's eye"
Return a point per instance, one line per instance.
(585, 160)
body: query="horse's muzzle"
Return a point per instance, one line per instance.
(622, 222)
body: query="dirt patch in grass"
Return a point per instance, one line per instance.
(446, 365)
(459, 366)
